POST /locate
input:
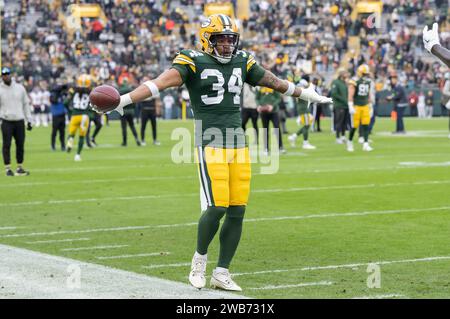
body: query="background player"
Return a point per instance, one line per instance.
(304, 119)
(79, 109)
(359, 106)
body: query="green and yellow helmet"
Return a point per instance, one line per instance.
(218, 25)
(363, 70)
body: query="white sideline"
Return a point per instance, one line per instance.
(56, 241)
(248, 220)
(306, 284)
(344, 266)
(94, 247)
(29, 274)
(388, 296)
(164, 253)
(275, 190)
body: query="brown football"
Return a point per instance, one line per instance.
(105, 97)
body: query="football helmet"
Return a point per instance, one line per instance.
(84, 81)
(211, 31)
(363, 70)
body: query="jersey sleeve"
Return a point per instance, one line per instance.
(184, 64)
(254, 71)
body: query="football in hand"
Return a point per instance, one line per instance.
(104, 98)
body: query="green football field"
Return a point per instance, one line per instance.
(313, 229)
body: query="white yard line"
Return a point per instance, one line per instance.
(388, 296)
(172, 195)
(172, 265)
(164, 253)
(306, 284)
(56, 241)
(92, 181)
(94, 247)
(427, 259)
(11, 227)
(29, 274)
(248, 220)
(297, 172)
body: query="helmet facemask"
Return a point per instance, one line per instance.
(224, 45)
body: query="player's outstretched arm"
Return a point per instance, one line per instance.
(442, 53)
(167, 79)
(432, 44)
(285, 87)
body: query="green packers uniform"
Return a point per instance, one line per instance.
(267, 96)
(214, 90)
(79, 110)
(361, 101)
(304, 118)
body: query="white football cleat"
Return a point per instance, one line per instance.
(221, 279)
(77, 158)
(339, 141)
(361, 140)
(448, 135)
(350, 146)
(307, 146)
(69, 145)
(367, 148)
(198, 270)
(292, 138)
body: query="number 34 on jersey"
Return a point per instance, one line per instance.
(213, 85)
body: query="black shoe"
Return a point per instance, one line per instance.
(123, 144)
(93, 143)
(9, 172)
(63, 148)
(138, 143)
(21, 172)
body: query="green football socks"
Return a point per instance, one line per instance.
(230, 234)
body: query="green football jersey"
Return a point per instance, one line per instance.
(79, 101)
(302, 106)
(268, 96)
(214, 90)
(362, 91)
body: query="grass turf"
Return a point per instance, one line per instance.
(325, 207)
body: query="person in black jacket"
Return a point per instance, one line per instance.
(398, 96)
(150, 109)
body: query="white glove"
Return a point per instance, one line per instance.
(370, 111)
(430, 37)
(351, 108)
(95, 108)
(311, 95)
(447, 106)
(118, 109)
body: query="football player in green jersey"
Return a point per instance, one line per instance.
(360, 106)
(214, 76)
(79, 119)
(304, 119)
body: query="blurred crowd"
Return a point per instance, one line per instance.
(291, 37)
